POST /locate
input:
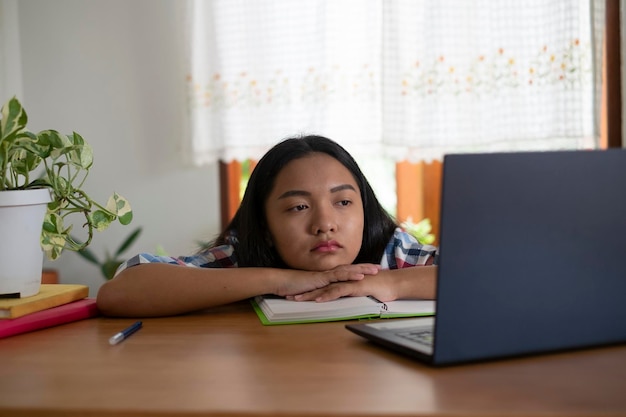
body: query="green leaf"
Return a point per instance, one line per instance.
(126, 218)
(101, 219)
(109, 268)
(82, 154)
(129, 241)
(52, 223)
(121, 208)
(14, 119)
(87, 254)
(52, 244)
(47, 141)
(421, 230)
(24, 162)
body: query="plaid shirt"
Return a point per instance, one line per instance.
(402, 251)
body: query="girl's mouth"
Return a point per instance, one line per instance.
(327, 246)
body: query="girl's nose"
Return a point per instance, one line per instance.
(324, 222)
(324, 228)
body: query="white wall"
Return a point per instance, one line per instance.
(113, 71)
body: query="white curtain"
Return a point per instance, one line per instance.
(10, 57)
(404, 78)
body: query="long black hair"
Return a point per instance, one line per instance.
(249, 225)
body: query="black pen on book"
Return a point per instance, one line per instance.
(124, 334)
(383, 306)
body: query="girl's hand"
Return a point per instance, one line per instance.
(304, 282)
(382, 288)
(418, 282)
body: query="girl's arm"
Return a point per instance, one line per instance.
(387, 285)
(159, 289)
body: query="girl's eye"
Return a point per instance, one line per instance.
(299, 207)
(344, 202)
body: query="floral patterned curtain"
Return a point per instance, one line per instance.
(406, 79)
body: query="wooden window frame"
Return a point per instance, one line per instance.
(612, 80)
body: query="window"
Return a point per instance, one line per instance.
(413, 86)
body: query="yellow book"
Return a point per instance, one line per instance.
(50, 295)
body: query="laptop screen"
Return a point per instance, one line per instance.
(532, 253)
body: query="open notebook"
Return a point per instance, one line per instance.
(272, 309)
(531, 259)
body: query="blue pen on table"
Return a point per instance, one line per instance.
(124, 334)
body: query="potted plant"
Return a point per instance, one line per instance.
(41, 191)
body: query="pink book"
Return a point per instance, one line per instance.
(66, 313)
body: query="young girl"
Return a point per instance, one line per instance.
(309, 227)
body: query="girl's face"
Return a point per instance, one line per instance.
(315, 214)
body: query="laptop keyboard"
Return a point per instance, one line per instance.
(421, 336)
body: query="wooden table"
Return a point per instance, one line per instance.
(223, 362)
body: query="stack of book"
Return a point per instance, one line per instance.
(55, 304)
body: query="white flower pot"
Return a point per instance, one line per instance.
(21, 257)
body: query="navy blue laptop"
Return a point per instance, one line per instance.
(532, 259)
